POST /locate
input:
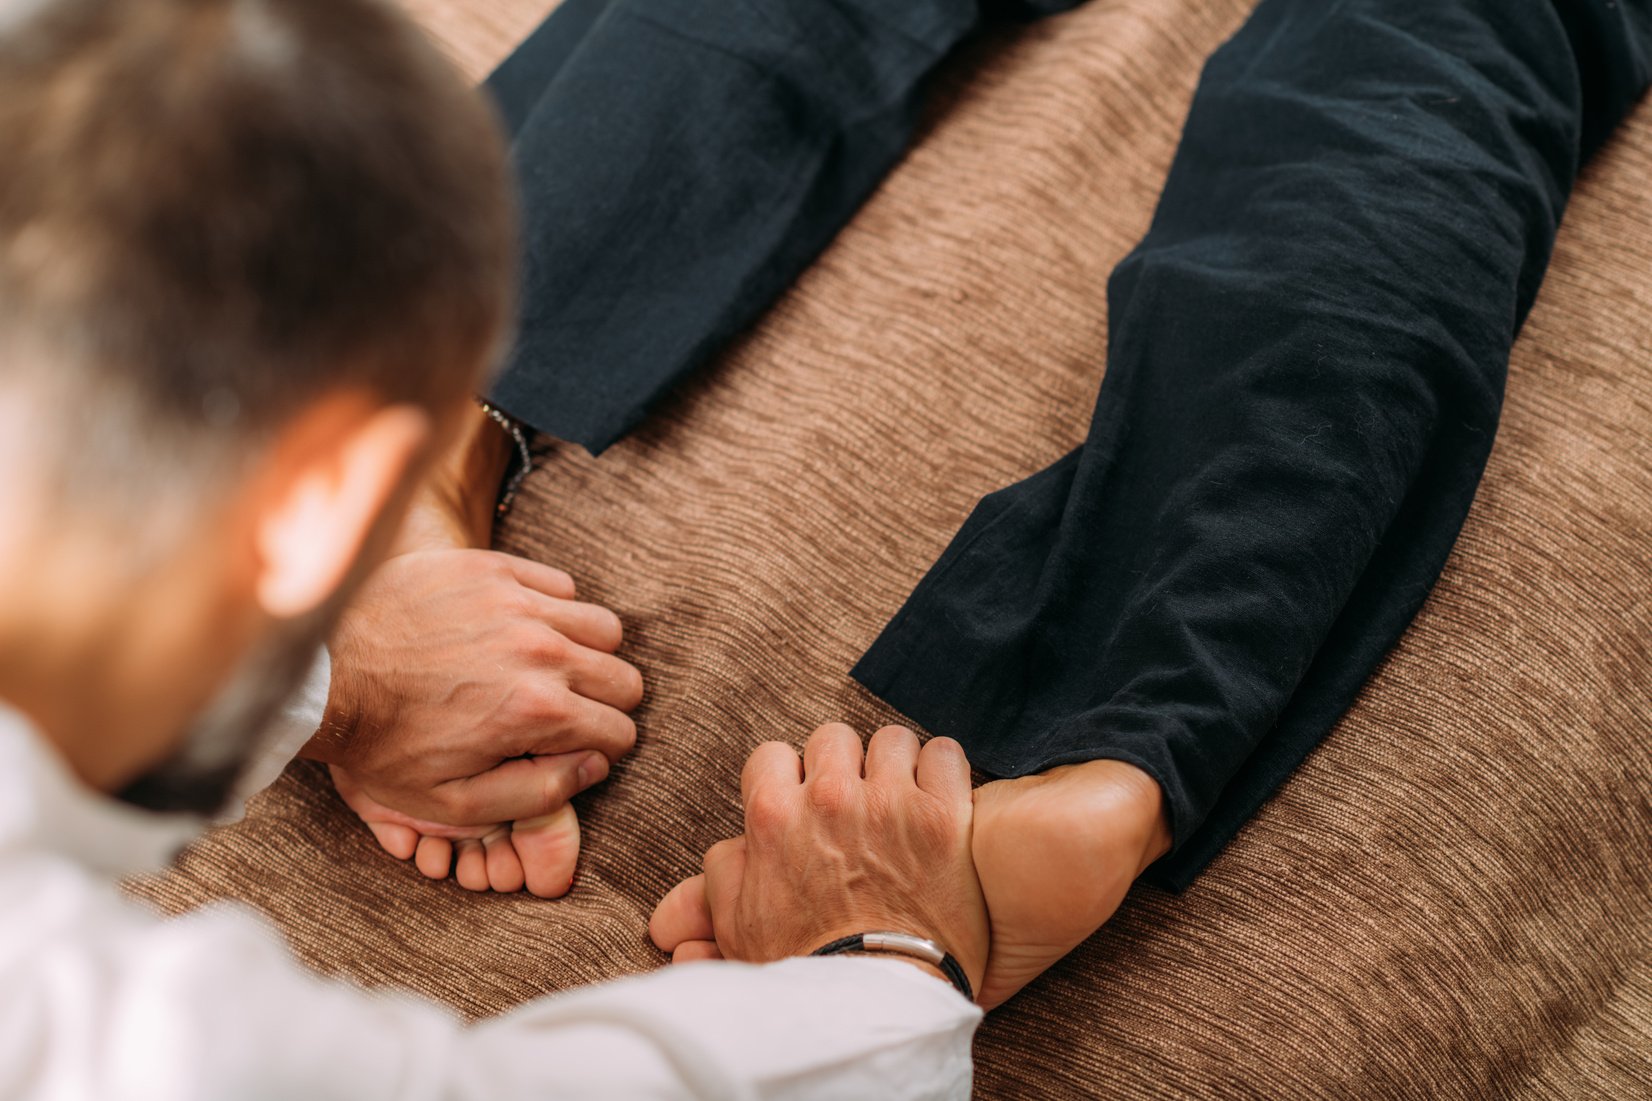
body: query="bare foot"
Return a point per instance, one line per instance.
(539, 854)
(455, 508)
(1056, 854)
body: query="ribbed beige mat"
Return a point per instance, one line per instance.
(1453, 898)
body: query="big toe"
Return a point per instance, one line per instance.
(548, 847)
(399, 841)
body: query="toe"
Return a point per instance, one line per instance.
(398, 841)
(470, 866)
(504, 866)
(548, 848)
(434, 857)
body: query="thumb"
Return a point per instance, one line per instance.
(683, 915)
(525, 787)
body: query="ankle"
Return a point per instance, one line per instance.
(455, 507)
(1135, 804)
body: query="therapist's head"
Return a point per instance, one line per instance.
(254, 254)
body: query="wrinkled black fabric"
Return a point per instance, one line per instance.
(679, 163)
(1304, 368)
(1306, 360)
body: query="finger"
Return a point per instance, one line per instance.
(398, 841)
(683, 915)
(587, 624)
(725, 871)
(470, 865)
(538, 576)
(892, 756)
(574, 723)
(434, 857)
(832, 750)
(724, 859)
(694, 950)
(604, 678)
(773, 764)
(549, 849)
(525, 787)
(943, 770)
(504, 866)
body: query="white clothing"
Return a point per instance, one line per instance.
(101, 999)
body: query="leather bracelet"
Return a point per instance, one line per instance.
(904, 944)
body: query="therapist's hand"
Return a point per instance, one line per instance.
(472, 697)
(835, 846)
(453, 663)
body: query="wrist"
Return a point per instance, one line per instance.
(342, 713)
(328, 744)
(926, 952)
(922, 965)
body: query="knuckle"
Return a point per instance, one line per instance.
(831, 796)
(718, 853)
(559, 785)
(518, 602)
(550, 647)
(524, 637)
(933, 820)
(766, 811)
(494, 567)
(880, 805)
(545, 703)
(457, 805)
(946, 751)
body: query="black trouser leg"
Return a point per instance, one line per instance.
(1305, 369)
(680, 163)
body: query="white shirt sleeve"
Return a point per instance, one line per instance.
(99, 998)
(799, 1029)
(296, 723)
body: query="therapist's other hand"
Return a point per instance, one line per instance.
(836, 845)
(470, 688)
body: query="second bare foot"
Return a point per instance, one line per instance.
(539, 854)
(1056, 854)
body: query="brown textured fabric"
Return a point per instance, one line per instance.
(1453, 898)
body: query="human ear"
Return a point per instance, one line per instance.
(339, 474)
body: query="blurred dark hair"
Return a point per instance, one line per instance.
(214, 211)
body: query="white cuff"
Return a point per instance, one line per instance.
(296, 723)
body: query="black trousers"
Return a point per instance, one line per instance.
(1305, 362)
